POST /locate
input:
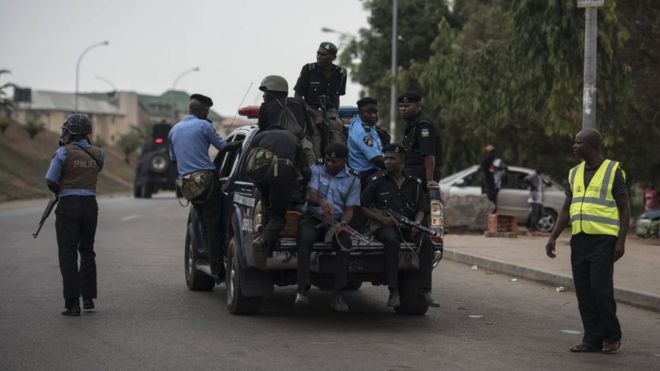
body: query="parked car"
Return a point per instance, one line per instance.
(648, 223)
(512, 198)
(249, 279)
(155, 171)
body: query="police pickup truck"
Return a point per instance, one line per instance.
(248, 280)
(155, 170)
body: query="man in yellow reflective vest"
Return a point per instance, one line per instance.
(598, 210)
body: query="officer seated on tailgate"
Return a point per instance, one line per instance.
(397, 191)
(332, 194)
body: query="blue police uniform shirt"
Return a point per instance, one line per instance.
(54, 172)
(363, 145)
(341, 189)
(189, 144)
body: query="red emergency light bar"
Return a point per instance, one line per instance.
(251, 112)
(159, 140)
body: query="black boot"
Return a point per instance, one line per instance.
(394, 301)
(88, 304)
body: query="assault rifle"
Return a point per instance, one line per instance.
(348, 229)
(401, 219)
(51, 204)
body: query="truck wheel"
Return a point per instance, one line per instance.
(137, 191)
(237, 303)
(146, 190)
(195, 280)
(412, 303)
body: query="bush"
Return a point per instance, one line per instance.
(33, 128)
(3, 126)
(99, 142)
(128, 143)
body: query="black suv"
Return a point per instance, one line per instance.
(248, 280)
(155, 170)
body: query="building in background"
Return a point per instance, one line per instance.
(113, 114)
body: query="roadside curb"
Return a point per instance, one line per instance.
(623, 295)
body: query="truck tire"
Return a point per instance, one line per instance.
(137, 191)
(237, 303)
(412, 303)
(159, 161)
(195, 279)
(146, 190)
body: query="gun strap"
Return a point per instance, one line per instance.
(88, 153)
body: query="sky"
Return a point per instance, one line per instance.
(233, 42)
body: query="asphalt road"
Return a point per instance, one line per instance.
(147, 319)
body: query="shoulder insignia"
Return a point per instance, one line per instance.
(366, 127)
(353, 172)
(311, 66)
(425, 132)
(342, 70)
(379, 175)
(368, 140)
(319, 161)
(415, 179)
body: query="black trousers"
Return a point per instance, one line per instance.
(309, 231)
(535, 215)
(75, 226)
(276, 193)
(593, 268)
(209, 211)
(391, 238)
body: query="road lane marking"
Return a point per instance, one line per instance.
(572, 332)
(130, 217)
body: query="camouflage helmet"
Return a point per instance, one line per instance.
(274, 83)
(77, 124)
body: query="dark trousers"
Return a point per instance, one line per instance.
(276, 193)
(209, 211)
(391, 238)
(593, 268)
(75, 226)
(311, 230)
(535, 215)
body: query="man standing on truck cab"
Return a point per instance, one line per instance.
(189, 145)
(397, 191)
(332, 194)
(321, 84)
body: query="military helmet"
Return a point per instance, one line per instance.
(274, 83)
(77, 124)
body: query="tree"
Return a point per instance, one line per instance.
(6, 105)
(129, 143)
(33, 127)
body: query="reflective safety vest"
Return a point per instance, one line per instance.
(593, 209)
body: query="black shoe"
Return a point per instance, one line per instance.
(394, 301)
(73, 311)
(429, 299)
(88, 304)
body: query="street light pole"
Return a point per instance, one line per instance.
(102, 43)
(194, 69)
(590, 53)
(107, 81)
(393, 105)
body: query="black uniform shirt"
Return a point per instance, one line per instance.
(282, 143)
(270, 111)
(419, 140)
(312, 84)
(383, 193)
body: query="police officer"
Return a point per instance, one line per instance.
(276, 90)
(72, 175)
(189, 144)
(402, 193)
(333, 193)
(420, 140)
(365, 151)
(321, 84)
(598, 209)
(277, 181)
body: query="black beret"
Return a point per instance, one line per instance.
(410, 97)
(366, 101)
(336, 150)
(332, 48)
(394, 147)
(202, 99)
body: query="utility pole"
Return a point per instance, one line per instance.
(589, 96)
(393, 104)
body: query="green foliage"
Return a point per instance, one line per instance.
(32, 127)
(510, 72)
(129, 143)
(4, 124)
(99, 142)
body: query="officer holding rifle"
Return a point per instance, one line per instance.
(392, 197)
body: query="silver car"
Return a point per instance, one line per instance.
(512, 198)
